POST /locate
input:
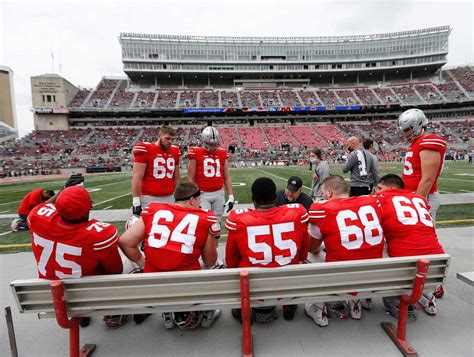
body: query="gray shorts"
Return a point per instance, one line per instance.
(213, 201)
(146, 200)
(434, 200)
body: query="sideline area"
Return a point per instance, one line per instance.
(447, 334)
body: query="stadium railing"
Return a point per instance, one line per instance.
(69, 300)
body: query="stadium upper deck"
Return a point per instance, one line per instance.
(222, 61)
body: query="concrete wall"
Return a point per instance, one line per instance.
(51, 121)
(7, 97)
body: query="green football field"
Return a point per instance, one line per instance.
(112, 191)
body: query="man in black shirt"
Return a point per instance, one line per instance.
(293, 194)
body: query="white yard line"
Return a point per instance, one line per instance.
(453, 179)
(281, 178)
(8, 203)
(111, 199)
(107, 207)
(5, 233)
(4, 211)
(466, 191)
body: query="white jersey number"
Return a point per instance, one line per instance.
(410, 212)
(61, 250)
(280, 243)
(160, 234)
(372, 233)
(408, 167)
(212, 168)
(163, 167)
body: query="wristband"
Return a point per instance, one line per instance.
(136, 201)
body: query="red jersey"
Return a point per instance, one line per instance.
(65, 250)
(209, 168)
(412, 169)
(407, 224)
(350, 227)
(160, 165)
(30, 201)
(175, 236)
(267, 238)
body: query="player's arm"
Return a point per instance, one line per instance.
(316, 238)
(130, 240)
(209, 252)
(138, 173)
(192, 170)
(232, 253)
(305, 247)
(228, 187)
(430, 162)
(351, 161)
(112, 263)
(177, 174)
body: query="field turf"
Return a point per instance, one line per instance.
(112, 191)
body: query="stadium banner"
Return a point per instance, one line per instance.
(270, 109)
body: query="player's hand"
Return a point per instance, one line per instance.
(137, 210)
(230, 203)
(74, 180)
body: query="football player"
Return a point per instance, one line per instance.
(155, 170)
(424, 158)
(267, 236)
(67, 244)
(406, 211)
(30, 201)
(175, 236)
(208, 168)
(350, 229)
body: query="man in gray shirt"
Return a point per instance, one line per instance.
(320, 169)
(369, 147)
(361, 165)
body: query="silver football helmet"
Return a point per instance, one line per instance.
(211, 138)
(412, 123)
(131, 221)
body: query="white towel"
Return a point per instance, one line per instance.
(362, 163)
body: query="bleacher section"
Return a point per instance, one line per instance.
(279, 135)
(253, 138)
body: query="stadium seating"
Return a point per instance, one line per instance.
(351, 130)
(407, 95)
(279, 135)
(270, 98)
(331, 133)
(289, 98)
(367, 96)
(78, 100)
(347, 97)
(229, 137)
(250, 99)
(166, 99)
(229, 99)
(144, 100)
(328, 98)
(209, 99)
(429, 93)
(122, 99)
(188, 99)
(386, 95)
(309, 98)
(253, 138)
(308, 137)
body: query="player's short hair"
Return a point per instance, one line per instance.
(263, 191)
(185, 190)
(367, 143)
(392, 180)
(336, 183)
(47, 194)
(317, 152)
(167, 130)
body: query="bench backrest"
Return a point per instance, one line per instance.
(211, 289)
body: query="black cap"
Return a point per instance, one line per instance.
(294, 183)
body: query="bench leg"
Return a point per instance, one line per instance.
(65, 322)
(399, 336)
(245, 307)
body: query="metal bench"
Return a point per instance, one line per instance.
(68, 300)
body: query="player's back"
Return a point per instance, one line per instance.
(350, 227)
(69, 250)
(407, 224)
(209, 168)
(268, 238)
(175, 236)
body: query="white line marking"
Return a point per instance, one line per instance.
(453, 179)
(107, 207)
(281, 178)
(5, 233)
(4, 211)
(459, 190)
(111, 199)
(444, 192)
(7, 203)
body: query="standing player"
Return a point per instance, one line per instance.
(268, 236)
(67, 244)
(208, 168)
(30, 201)
(350, 228)
(175, 236)
(405, 211)
(424, 158)
(155, 170)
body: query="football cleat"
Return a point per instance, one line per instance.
(139, 318)
(85, 321)
(337, 310)
(439, 292)
(168, 321)
(355, 307)
(115, 321)
(209, 317)
(15, 225)
(318, 313)
(264, 315)
(131, 221)
(367, 304)
(187, 320)
(289, 312)
(429, 304)
(392, 307)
